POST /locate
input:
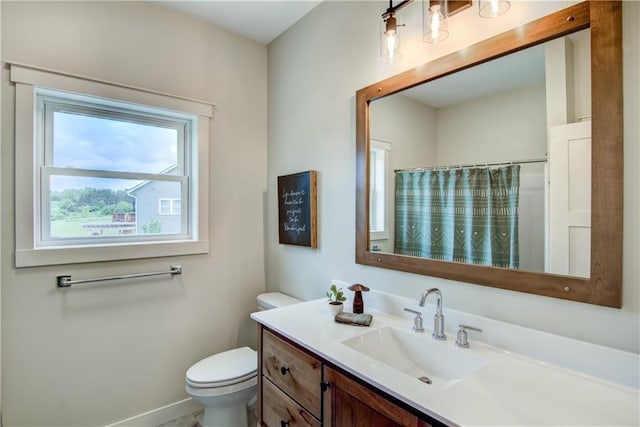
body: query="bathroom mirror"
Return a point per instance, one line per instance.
(593, 275)
(491, 117)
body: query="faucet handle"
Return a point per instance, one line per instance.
(461, 339)
(417, 322)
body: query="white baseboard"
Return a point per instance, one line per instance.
(161, 415)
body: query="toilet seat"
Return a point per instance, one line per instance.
(224, 369)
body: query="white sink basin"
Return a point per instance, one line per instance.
(437, 363)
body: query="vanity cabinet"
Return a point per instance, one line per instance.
(298, 388)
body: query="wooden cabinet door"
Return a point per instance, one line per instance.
(350, 404)
(280, 410)
(295, 372)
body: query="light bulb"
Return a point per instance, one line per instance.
(390, 43)
(435, 25)
(436, 19)
(493, 8)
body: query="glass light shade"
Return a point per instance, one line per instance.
(492, 8)
(390, 40)
(434, 22)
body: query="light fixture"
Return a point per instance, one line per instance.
(390, 43)
(492, 8)
(390, 34)
(434, 21)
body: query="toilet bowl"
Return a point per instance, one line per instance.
(225, 383)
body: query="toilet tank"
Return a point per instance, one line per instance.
(271, 300)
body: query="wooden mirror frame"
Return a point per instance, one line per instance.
(604, 286)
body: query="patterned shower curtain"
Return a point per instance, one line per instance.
(463, 215)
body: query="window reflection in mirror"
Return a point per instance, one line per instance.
(380, 191)
(530, 109)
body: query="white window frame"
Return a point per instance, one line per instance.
(30, 172)
(375, 193)
(172, 208)
(49, 102)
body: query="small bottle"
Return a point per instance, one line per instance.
(358, 303)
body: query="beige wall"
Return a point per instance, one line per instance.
(94, 355)
(320, 63)
(505, 126)
(98, 354)
(410, 126)
(0, 228)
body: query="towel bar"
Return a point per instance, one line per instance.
(65, 281)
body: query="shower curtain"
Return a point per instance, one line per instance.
(463, 215)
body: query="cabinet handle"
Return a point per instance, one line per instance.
(284, 423)
(324, 386)
(284, 371)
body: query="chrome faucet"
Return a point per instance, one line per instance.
(438, 319)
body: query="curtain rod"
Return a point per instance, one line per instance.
(474, 165)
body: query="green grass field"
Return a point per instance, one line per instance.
(72, 227)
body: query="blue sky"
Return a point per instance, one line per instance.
(86, 142)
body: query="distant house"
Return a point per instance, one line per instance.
(158, 205)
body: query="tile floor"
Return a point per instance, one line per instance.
(195, 420)
(190, 420)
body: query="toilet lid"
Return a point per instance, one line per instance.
(226, 368)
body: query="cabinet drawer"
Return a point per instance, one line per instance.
(278, 409)
(294, 371)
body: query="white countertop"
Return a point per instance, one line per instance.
(511, 389)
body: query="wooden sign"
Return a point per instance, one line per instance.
(297, 209)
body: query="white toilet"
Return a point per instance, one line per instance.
(225, 383)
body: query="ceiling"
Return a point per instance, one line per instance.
(517, 70)
(259, 20)
(510, 72)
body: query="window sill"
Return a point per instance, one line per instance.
(379, 235)
(82, 254)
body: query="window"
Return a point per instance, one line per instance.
(110, 171)
(169, 206)
(379, 189)
(100, 159)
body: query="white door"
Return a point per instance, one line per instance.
(569, 233)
